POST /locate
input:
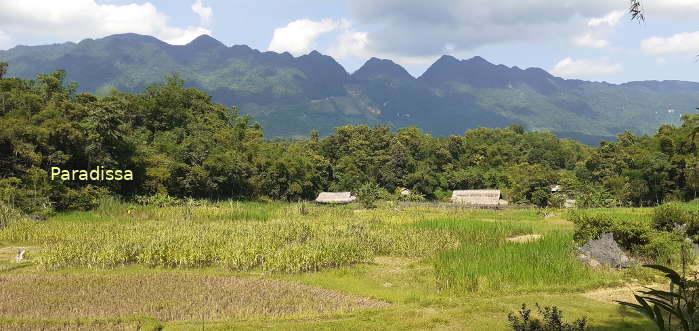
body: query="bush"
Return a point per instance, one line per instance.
(367, 195)
(158, 200)
(541, 197)
(666, 248)
(553, 320)
(673, 215)
(557, 200)
(628, 232)
(84, 198)
(594, 196)
(659, 240)
(412, 197)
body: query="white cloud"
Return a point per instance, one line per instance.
(298, 37)
(610, 19)
(678, 43)
(205, 13)
(350, 43)
(4, 40)
(469, 24)
(79, 19)
(572, 68)
(587, 40)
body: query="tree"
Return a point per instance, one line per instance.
(3, 69)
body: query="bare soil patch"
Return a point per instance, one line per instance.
(167, 297)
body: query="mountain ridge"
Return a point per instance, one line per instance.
(292, 95)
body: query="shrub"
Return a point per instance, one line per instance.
(666, 247)
(412, 197)
(158, 200)
(594, 196)
(557, 200)
(628, 232)
(367, 195)
(552, 320)
(84, 198)
(540, 197)
(670, 216)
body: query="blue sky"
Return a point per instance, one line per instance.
(585, 39)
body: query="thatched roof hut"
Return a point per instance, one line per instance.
(478, 198)
(335, 197)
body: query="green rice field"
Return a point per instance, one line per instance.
(299, 266)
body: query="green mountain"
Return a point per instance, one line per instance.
(291, 96)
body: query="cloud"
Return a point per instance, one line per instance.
(298, 37)
(686, 9)
(79, 19)
(610, 19)
(468, 24)
(678, 43)
(4, 40)
(350, 43)
(205, 13)
(587, 40)
(571, 68)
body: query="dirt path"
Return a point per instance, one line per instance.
(625, 293)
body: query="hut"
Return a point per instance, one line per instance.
(405, 192)
(479, 198)
(335, 197)
(555, 188)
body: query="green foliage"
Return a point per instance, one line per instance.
(531, 182)
(660, 239)
(557, 200)
(673, 215)
(158, 200)
(675, 309)
(8, 215)
(179, 144)
(83, 198)
(629, 232)
(666, 248)
(593, 196)
(552, 320)
(368, 194)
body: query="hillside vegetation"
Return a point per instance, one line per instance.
(178, 144)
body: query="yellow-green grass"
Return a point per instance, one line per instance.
(406, 256)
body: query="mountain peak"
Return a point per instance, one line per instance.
(132, 37)
(204, 42)
(375, 67)
(478, 60)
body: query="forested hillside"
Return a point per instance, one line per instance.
(178, 142)
(291, 95)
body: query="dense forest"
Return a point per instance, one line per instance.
(179, 143)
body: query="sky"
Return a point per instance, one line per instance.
(583, 39)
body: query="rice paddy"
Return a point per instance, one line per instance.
(295, 266)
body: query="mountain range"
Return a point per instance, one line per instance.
(291, 96)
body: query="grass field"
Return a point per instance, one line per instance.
(299, 266)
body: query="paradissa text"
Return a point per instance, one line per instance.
(99, 174)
